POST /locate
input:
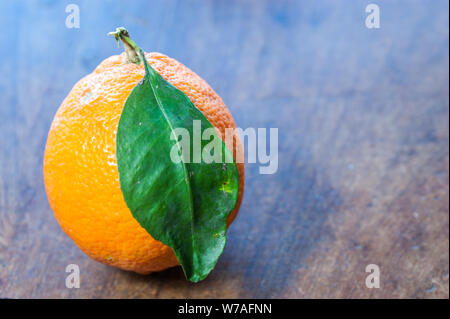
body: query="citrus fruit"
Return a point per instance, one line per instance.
(80, 165)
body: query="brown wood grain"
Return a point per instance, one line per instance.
(363, 120)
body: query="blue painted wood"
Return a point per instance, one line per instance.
(363, 142)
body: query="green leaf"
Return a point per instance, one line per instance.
(184, 205)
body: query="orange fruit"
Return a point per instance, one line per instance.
(80, 168)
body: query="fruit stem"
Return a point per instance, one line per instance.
(131, 48)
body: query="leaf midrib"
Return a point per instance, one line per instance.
(186, 174)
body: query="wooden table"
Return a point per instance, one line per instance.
(363, 120)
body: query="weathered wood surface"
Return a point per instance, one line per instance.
(363, 118)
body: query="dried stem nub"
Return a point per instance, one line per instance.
(132, 50)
